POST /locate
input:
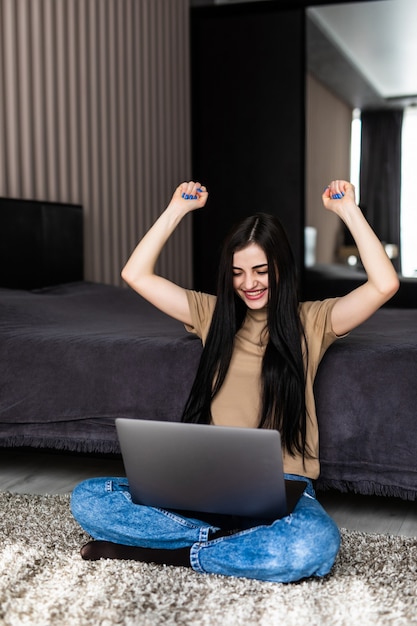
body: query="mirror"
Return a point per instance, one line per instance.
(360, 56)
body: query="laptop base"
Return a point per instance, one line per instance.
(293, 489)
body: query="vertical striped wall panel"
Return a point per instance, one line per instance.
(94, 109)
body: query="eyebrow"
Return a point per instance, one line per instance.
(255, 267)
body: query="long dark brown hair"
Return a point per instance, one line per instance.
(283, 377)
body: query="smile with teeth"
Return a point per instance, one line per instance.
(254, 294)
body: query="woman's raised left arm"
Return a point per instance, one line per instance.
(382, 279)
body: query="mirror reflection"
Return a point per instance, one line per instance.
(362, 125)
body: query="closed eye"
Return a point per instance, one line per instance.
(257, 268)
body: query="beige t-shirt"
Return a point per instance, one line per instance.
(238, 401)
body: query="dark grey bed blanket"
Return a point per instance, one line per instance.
(76, 356)
(366, 398)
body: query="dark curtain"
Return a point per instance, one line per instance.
(380, 174)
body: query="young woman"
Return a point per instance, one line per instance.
(261, 352)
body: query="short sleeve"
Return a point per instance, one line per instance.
(317, 324)
(202, 306)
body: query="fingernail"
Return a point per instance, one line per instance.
(199, 189)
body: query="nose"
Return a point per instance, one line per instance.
(250, 282)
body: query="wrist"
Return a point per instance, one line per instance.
(349, 211)
(175, 211)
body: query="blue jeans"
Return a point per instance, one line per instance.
(302, 544)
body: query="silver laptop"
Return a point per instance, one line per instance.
(205, 471)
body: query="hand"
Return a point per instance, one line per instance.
(338, 195)
(190, 196)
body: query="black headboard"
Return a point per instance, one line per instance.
(41, 243)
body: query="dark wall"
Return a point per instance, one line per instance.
(248, 76)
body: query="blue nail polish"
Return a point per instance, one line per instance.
(199, 189)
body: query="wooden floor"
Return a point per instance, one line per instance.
(52, 473)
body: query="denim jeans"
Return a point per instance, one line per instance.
(302, 544)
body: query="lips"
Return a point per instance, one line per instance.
(256, 294)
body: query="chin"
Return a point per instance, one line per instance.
(256, 304)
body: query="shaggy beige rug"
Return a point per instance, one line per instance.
(44, 581)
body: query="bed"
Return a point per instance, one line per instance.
(366, 398)
(74, 355)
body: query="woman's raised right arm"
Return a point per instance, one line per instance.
(139, 271)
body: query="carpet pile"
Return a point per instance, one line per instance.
(43, 581)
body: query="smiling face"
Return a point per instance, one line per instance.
(250, 276)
